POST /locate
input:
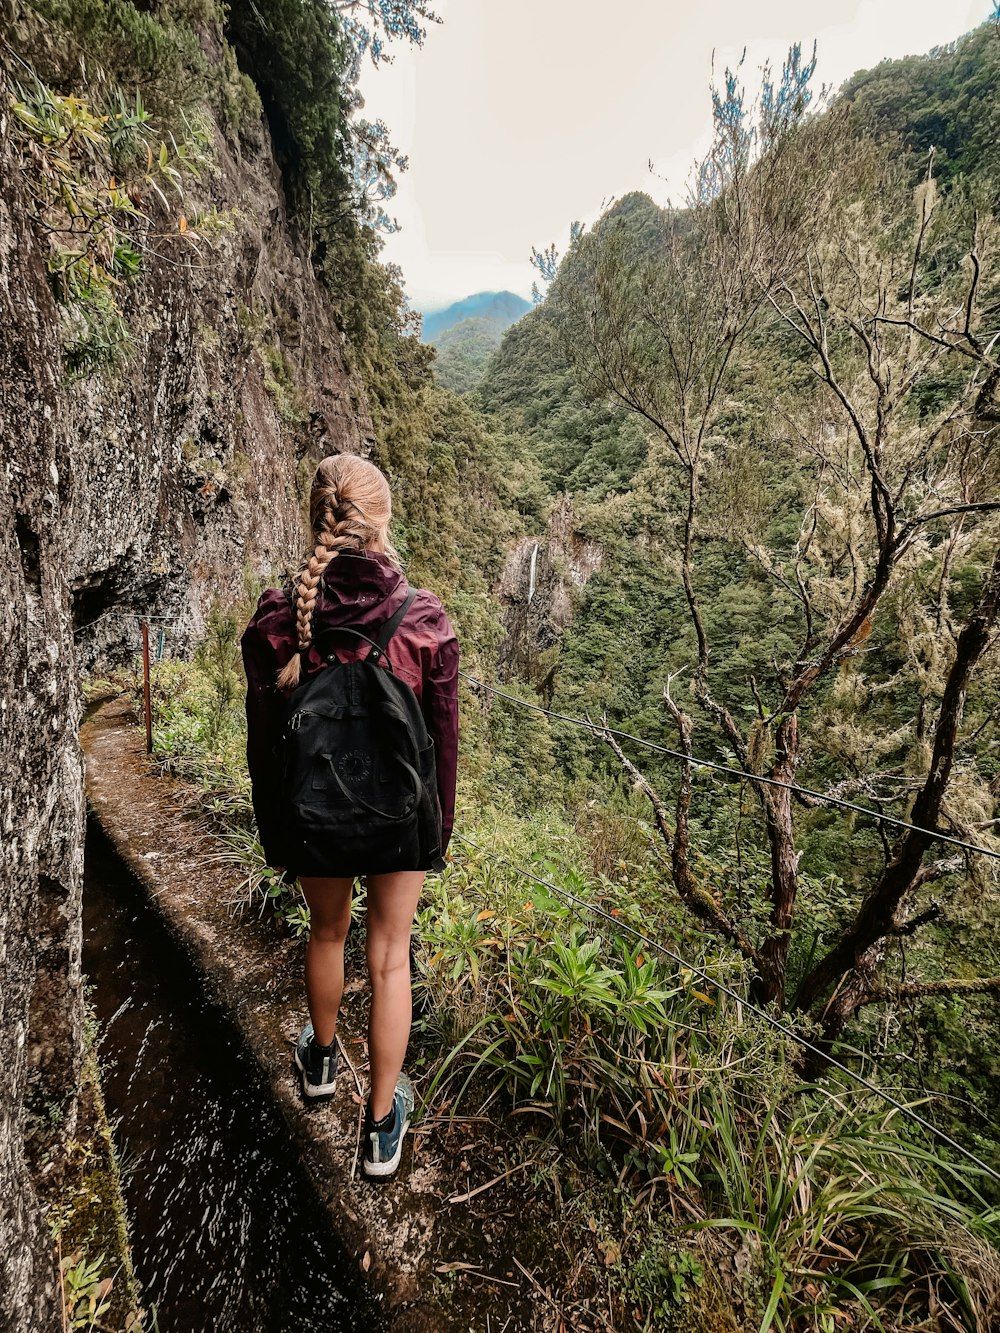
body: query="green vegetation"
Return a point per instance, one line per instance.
(945, 101)
(122, 46)
(294, 53)
(726, 604)
(654, 1078)
(467, 334)
(279, 381)
(87, 1220)
(463, 351)
(775, 411)
(103, 161)
(709, 387)
(89, 169)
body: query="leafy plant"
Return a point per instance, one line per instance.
(87, 172)
(663, 1277)
(842, 1209)
(838, 1212)
(85, 1292)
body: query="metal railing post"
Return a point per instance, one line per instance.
(145, 687)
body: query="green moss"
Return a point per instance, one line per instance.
(155, 48)
(281, 384)
(88, 1220)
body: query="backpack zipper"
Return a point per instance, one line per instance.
(295, 722)
(296, 719)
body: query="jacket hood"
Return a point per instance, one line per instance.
(360, 588)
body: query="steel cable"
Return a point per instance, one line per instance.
(936, 834)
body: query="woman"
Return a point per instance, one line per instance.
(352, 577)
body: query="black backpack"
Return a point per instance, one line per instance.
(359, 778)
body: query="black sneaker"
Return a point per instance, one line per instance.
(384, 1147)
(317, 1065)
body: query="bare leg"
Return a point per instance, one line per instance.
(392, 901)
(329, 918)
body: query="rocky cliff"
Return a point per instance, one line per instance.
(152, 490)
(41, 851)
(540, 579)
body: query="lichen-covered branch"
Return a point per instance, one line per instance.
(922, 989)
(696, 897)
(845, 965)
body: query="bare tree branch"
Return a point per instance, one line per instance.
(908, 528)
(700, 902)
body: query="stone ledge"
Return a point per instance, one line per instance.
(256, 976)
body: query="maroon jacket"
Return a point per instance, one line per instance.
(361, 589)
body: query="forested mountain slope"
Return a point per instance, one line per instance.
(500, 308)
(777, 413)
(467, 333)
(463, 351)
(945, 100)
(732, 486)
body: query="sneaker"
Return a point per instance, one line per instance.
(384, 1147)
(317, 1067)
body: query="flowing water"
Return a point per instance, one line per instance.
(228, 1236)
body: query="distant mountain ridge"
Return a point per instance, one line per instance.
(499, 308)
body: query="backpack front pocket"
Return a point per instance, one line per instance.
(351, 770)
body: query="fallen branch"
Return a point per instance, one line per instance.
(481, 1189)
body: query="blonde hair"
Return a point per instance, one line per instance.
(350, 508)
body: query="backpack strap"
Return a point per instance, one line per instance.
(392, 624)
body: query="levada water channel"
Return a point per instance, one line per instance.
(227, 1233)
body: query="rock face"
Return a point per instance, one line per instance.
(191, 464)
(152, 491)
(40, 781)
(536, 590)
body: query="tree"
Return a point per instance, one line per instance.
(945, 100)
(546, 261)
(374, 162)
(803, 243)
(371, 25)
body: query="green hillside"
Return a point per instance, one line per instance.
(467, 334)
(463, 351)
(946, 101)
(718, 525)
(500, 308)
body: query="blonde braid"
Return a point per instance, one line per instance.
(334, 535)
(349, 507)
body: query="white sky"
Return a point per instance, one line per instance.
(520, 116)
